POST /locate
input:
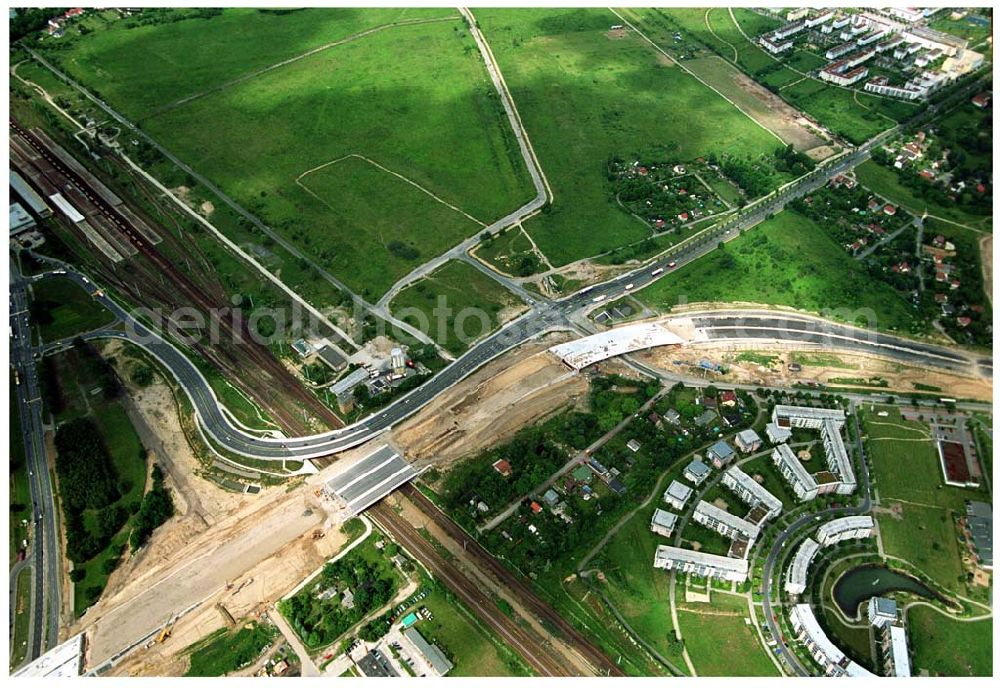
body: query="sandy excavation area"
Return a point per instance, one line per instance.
(830, 368)
(519, 388)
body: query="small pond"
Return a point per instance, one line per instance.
(865, 582)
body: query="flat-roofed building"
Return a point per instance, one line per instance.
(751, 491)
(20, 220)
(836, 456)
(846, 528)
(720, 454)
(777, 434)
(724, 523)
(677, 495)
(29, 195)
(895, 652)
(697, 472)
(663, 522)
(437, 660)
(814, 638)
(701, 563)
(979, 520)
(796, 576)
(792, 470)
(805, 416)
(882, 612)
(747, 441)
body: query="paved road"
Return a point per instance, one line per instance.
(44, 550)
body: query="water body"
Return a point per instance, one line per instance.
(864, 582)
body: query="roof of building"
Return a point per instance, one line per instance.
(808, 412)
(722, 450)
(837, 456)
(19, 218)
(733, 521)
(715, 561)
(349, 382)
(705, 418)
(332, 357)
(432, 653)
(900, 655)
(678, 491)
(697, 468)
(28, 194)
(62, 661)
(800, 564)
(748, 436)
(799, 471)
(776, 433)
(550, 496)
(662, 517)
(840, 525)
(980, 519)
(760, 493)
(884, 606)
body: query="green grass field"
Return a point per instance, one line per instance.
(786, 261)
(473, 649)
(225, 650)
(720, 641)
(70, 310)
(584, 97)
(19, 489)
(640, 593)
(885, 181)
(415, 99)
(474, 304)
(856, 117)
(944, 647)
(21, 615)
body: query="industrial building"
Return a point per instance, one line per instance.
(979, 520)
(701, 563)
(27, 194)
(432, 653)
(846, 528)
(751, 492)
(795, 577)
(663, 522)
(831, 660)
(724, 523)
(20, 220)
(677, 495)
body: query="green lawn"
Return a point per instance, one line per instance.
(720, 641)
(787, 261)
(454, 305)
(472, 648)
(20, 491)
(927, 538)
(944, 647)
(21, 615)
(885, 181)
(225, 650)
(511, 252)
(963, 28)
(639, 592)
(61, 309)
(585, 97)
(415, 99)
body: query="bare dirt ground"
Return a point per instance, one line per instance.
(518, 388)
(900, 379)
(616, 34)
(765, 107)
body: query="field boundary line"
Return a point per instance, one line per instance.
(277, 65)
(704, 83)
(298, 180)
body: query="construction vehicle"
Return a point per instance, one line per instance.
(165, 633)
(318, 534)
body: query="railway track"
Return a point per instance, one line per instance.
(471, 594)
(587, 649)
(259, 356)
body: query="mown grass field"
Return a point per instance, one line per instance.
(720, 641)
(905, 463)
(584, 97)
(786, 261)
(945, 647)
(885, 181)
(471, 304)
(471, 647)
(71, 310)
(223, 651)
(416, 99)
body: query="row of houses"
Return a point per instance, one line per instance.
(701, 564)
(830, 533)
(831, 660)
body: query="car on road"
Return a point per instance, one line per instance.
(672, 264)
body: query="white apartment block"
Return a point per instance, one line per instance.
(701, 563)
(795, 577)
(724, 523)
(836, 456)
(750, 491)
(846, 528)
(805, 416)
(677, 495)
(791, 469)
(827, 655)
